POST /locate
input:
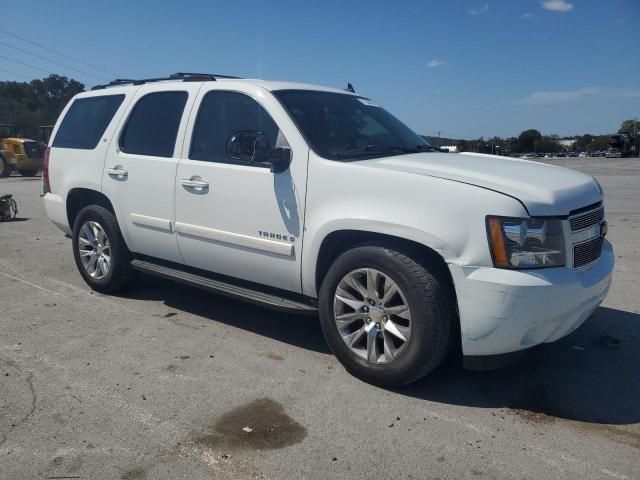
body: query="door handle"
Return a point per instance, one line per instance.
(194, 182)
(117, 171)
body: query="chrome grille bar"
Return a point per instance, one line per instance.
(586, 220)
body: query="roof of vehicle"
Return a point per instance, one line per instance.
(270, 85)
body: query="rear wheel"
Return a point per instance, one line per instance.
(29, 172)
(5, 169)
(387, 318)
(100, 252)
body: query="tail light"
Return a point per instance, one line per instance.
(45, 171)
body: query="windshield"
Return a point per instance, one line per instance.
(345, 127)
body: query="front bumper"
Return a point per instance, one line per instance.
(503, 311)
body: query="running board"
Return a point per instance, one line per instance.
(216, 286)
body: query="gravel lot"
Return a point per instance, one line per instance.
(160, 382)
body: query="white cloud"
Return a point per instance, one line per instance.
(435, 63)
(528, 15)
(557, 5)
(562, 96)
(479, 11)
(544, 98)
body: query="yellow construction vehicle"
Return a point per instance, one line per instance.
(21, 154)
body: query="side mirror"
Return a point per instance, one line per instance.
(252, 146)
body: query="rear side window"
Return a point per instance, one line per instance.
(85, 121)
(223, 114)
(152, 127)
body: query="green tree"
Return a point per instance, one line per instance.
(630, 127)
(584, 142)
(39, 102)
(548, 143)
(599, 143)
(528, 140)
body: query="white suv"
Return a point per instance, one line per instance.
(313, 199)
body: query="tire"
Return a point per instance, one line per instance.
(427, 293)
(5, 169)
(29, 172)
(119, 273)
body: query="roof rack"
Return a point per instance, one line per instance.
(184, 76)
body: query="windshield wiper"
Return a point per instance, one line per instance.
(361, 152)
(401, 149)
(378, 149)
(418, 148)
(372, 150)
(425, 147)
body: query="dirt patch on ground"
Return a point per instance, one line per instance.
(273, 356)
(531, 417)
(137, 473)
(259, 425)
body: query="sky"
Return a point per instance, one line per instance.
(463, 68)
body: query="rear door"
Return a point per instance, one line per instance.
(140, 167)
(237, 218)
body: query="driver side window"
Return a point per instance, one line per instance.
(222, 115)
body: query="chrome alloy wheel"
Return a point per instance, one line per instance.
(372, 315)
(94, 250)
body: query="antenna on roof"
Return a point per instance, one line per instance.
(350, 88)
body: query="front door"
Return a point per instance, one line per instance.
(233, 217)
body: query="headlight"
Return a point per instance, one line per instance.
(526, 242)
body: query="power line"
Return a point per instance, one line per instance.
(51, 61)
(26, 64)
(13, 73)
(35, 44)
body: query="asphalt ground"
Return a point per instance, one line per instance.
(160, 382)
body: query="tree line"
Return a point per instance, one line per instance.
(29, 105)
(533, 141)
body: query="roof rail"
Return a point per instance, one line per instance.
(184, 76)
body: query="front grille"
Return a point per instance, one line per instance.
(587, 252)
(583, 221)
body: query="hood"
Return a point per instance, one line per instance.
(544, 189)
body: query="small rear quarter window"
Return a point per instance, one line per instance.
(85, 121)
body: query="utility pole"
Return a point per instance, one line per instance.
(635, 141)
(439, 142)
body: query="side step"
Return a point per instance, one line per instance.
(216, 286)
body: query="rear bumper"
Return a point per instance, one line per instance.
(57, 212)
(503, 311)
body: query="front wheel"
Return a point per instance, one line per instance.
(387, 318)
(99, 250)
